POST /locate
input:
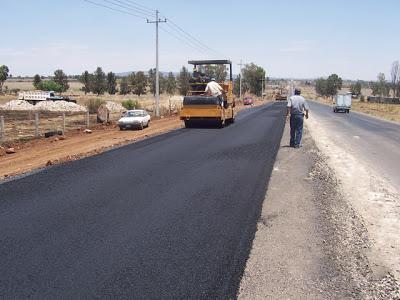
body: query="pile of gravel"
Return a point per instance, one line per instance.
(114, 107)
(59, 106)
(44, 106)
(17, 105)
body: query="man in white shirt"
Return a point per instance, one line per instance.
(215, 90)
(297, 107)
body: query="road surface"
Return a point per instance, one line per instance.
(169, 217)
(374, 141)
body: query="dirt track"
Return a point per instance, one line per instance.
(39, 153)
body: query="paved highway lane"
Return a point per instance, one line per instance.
(377, 142)
(169, 217)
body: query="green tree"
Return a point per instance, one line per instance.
(62, 79)
(236, 86)
(111, 83)
(98, 82)
(170, 85)
(140, 83)
(85, 79)
(183, 81)
(123, 86)
(37, 80)
(253, 76)
(381, 87)
(219, 72)
(3, 76)
(152, 81)
(50, 85)
(333, 84)
(355, 88)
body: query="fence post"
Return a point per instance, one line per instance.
(63, 117)
(36, 124)
(87, 119)
(2, 129)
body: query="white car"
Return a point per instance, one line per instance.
(137, 118)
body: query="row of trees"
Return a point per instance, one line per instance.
(140, 83)
(382, 87)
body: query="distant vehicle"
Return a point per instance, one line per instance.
(281, 94)
(248, 101)
(342, 103)
(136, 118)
(34, 97)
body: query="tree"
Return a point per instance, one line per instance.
(152, 81)
(395, 77)
(111, 83)
(123, 86)
(3, 76)
(333, 84)
(50, 85)
(140, 83)
(321, 87)
(381, 87)
(218, 72)
(253, 76)
(170, 85)
(328, 87)
(236, 86)
(355, 88)
(37, 80)
(183, 81)
(62, 79)
(98, 82)
(85, 79)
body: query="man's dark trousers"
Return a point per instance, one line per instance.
(296, 129)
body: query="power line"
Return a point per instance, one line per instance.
(183, 41)
(131, 7)
(192, 37)
(133, 3)
(114, 9)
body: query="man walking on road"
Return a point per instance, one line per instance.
(297, 107)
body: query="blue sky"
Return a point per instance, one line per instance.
(301, 39)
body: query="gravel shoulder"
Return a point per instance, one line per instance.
(310, 242)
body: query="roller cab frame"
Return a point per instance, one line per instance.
(199, 109)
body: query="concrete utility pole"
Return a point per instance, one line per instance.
(262, 87)
(240, 80)
(158, 20)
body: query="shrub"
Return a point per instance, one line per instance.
(130, 104)
(94, 104)
(362, 99)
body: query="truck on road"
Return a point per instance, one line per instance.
(342, 103)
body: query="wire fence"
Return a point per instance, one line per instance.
(25, 125)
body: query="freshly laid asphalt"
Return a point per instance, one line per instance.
(169, 217)
(375, 141)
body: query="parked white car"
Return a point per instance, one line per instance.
(136, 118)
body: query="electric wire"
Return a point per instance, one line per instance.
(143, 12)
(115, 9)
(194, 47)
(129, 7)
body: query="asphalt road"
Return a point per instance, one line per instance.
(377, 142)
(169, 217)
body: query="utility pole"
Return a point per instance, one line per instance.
(240, 80)
(157, 20)
(262, 87)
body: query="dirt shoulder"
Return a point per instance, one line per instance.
(310, 242)
(39, 153)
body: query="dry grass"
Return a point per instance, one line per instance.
(389, 112)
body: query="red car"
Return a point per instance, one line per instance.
(248, 101)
